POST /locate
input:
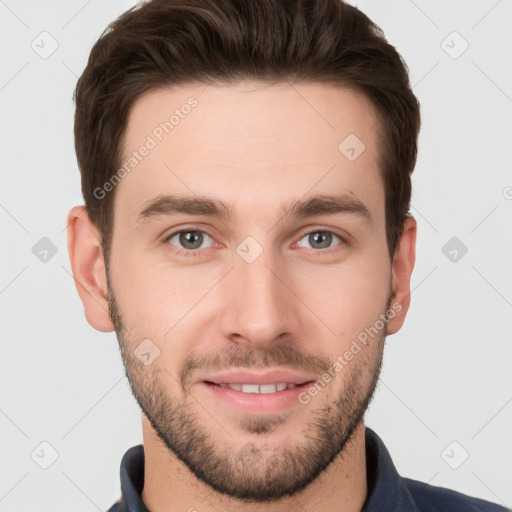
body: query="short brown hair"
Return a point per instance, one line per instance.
(171, 42)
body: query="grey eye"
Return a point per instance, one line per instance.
(189, 239)
(320, 239)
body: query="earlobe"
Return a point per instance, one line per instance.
(87, 264)
(402, 267)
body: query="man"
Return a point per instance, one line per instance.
(246, 172)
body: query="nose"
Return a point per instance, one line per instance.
(259, 304)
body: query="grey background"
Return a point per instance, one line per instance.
(446, 375)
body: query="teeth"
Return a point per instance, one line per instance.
(250, 388)
(267, 388)
(255, 388)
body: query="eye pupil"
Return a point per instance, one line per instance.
(187, 237)
(322, 237)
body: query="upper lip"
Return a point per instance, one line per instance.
(261, 377)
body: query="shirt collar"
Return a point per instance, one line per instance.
(386, 489)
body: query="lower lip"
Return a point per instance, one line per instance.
(256, 402)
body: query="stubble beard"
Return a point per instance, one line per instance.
(252, 471)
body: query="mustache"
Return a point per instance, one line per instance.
(240, 356)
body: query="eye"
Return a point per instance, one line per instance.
(320, 239)
(188, 239)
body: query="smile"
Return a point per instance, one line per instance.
(255, 388)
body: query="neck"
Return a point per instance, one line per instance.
(170, 485)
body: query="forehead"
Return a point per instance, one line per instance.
(252, 143)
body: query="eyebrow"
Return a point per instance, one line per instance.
(167, 205)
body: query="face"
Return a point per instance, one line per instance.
(194, 294)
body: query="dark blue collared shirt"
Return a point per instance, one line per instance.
(387, 490)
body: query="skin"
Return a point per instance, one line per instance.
(298, 305)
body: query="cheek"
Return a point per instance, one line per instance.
(157, 298)
(348, 297)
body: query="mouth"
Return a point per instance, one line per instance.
(259, 388)
(262, 399)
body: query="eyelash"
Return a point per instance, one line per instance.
(195, 252)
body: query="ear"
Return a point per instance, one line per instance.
(402, 267)
(87, 264)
